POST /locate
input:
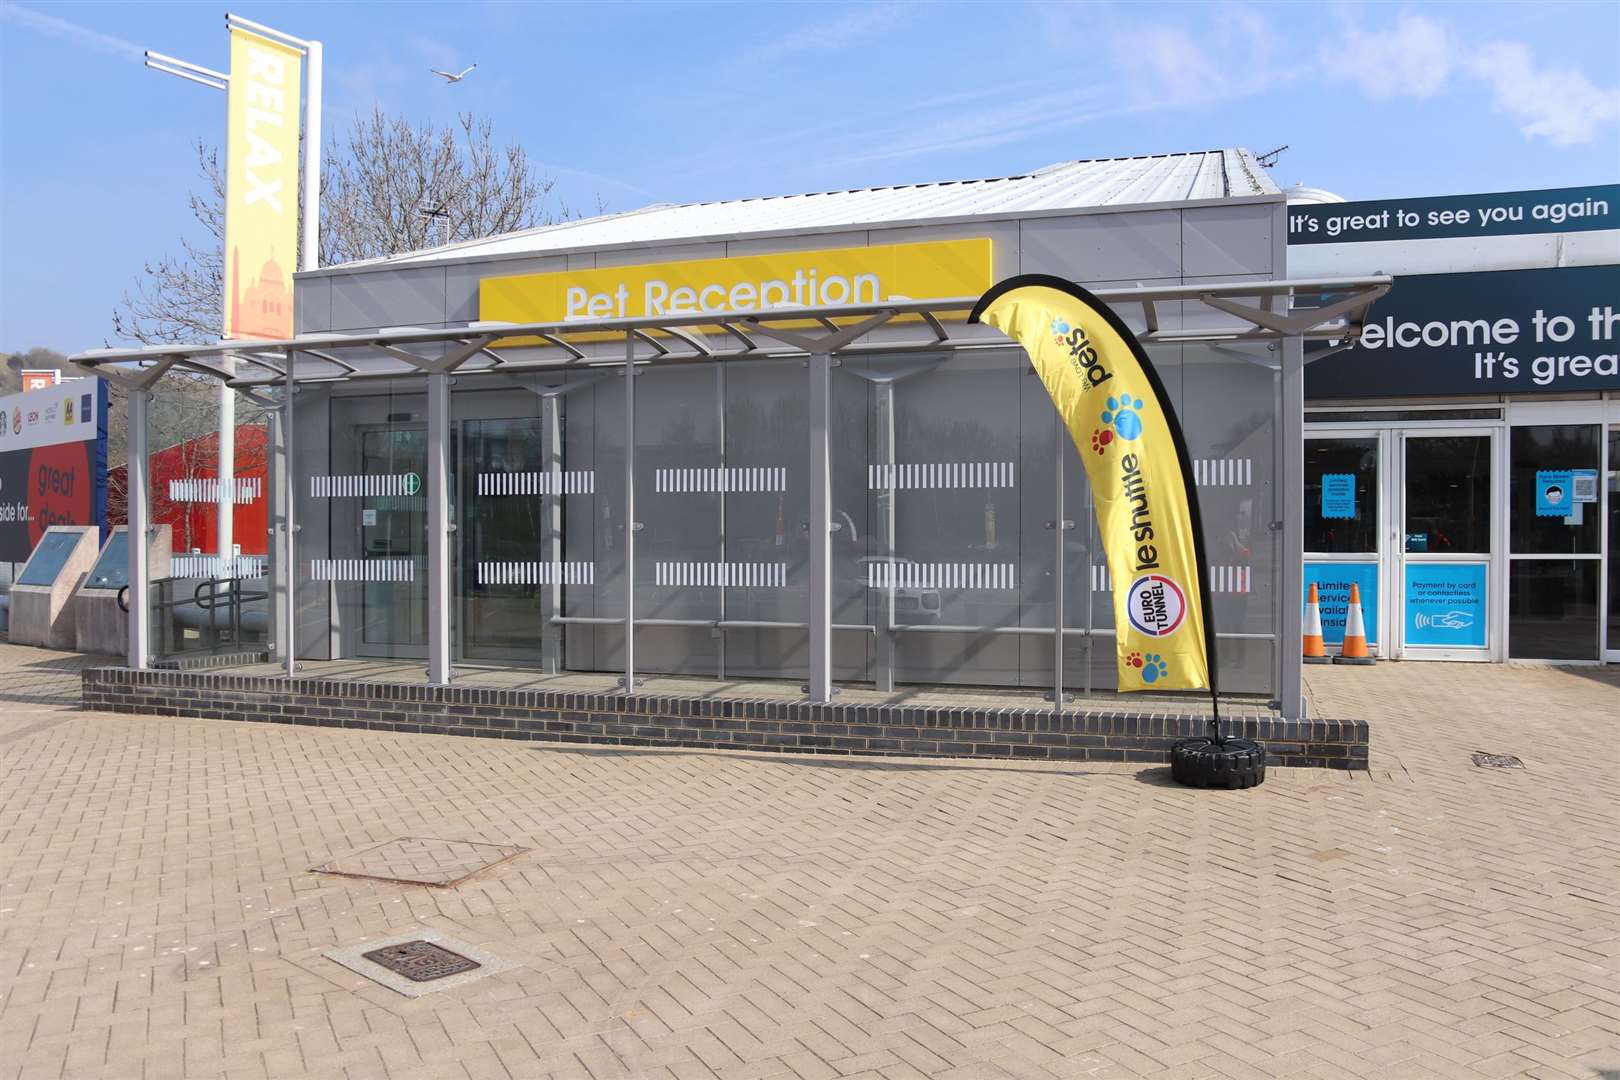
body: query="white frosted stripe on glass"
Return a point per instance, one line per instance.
(941, 475)
(883, 575)
(536, 573)
(728, 479)
(362, 569)
(721, 575)
(1223, 472)
(1222, 579)
(363, 486)
(576, 482)
(206, 489)
(212, 566)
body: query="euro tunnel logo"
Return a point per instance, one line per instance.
(413, 483)
(1157, 606)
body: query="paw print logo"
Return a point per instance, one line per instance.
(1100, 439)
(1134, 659)
(1059, 328)
(1123, 413)
(1153, 667)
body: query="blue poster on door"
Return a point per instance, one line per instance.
(1338, 495)
(1333, 581)
(1554, 492)
(1445, 604)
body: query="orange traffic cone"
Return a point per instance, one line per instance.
(1314, 652)
(1354, 649)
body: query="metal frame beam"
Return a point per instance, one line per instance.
(440, 528)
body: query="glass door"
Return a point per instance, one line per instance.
(393, 542)
(1612, 488)
(1447, 543)
(1344, 527)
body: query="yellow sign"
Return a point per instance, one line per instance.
(1120, 418)
(261, 187)
(860, 275)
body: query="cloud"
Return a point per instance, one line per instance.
(853, 27)
(1417, 56)
(1557, 104)
(71, 31)
(1411, 58)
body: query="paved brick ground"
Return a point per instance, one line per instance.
(687, 914)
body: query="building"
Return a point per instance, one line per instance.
(1462, 460)
(756, 439)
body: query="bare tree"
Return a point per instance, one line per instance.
(378, 194)
(378, 183)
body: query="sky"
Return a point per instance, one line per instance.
(624, 105)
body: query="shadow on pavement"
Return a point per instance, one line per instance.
(815, 761)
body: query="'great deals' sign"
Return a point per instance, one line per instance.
(53, 462)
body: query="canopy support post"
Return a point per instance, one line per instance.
(440, 528)
(139, 509)
(820, 490)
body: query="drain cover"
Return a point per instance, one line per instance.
(1496, 761)
(421, 961)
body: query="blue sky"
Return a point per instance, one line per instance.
(629, 104)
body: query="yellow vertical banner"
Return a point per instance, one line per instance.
(261, 186)
(1121, 420)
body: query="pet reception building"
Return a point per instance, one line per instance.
(757, 442)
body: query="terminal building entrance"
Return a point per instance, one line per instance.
(1474, 532)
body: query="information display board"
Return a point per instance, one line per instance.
(53, 462)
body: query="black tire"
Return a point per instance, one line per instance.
(1231, 763)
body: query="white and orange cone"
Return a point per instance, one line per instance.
(1354, 649)
(1314, 651)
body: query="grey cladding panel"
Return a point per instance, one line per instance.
(813, 242)
(461, 282)
(1095, 247)
(312, 305)
(1221, 241)
(403, 297)
(660, 253)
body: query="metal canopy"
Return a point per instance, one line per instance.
(1332, 309)
(1278, 312)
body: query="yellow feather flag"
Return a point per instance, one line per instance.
(1120, 418)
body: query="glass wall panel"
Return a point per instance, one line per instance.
(1614, 540)
(1553, 609)
(1344, 519)
(1540, 453)
(767, 435)
(1448, 494)
(203, 601)
(682, 488)
(941, 569)
(503, 567)
(1229, 398)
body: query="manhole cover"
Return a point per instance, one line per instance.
(1496, 761)
(420, 860)
(420, 961)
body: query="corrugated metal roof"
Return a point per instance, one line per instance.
(1162, 178)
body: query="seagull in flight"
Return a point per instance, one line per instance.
(449, 78)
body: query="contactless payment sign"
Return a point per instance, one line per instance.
(1445, 604)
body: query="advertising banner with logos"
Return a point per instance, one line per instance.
(1555, 329)
(53, 462)
(261, 186)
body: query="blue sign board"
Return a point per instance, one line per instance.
(1445, 604)
(1333, 581)
(1338, 495)
(1502, 213)
(1554, 492)
(1489, 332)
